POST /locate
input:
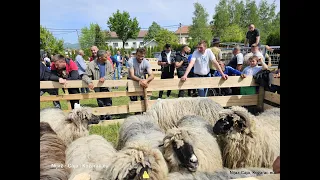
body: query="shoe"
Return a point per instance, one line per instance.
(108, 117)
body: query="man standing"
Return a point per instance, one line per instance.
(118, 64)
(237, 59)
(94, 50)
(138, 68)
(81, 67)
(182, 64)
(217, 53)
(200, 59)
(167, 62)
(63, 69)
(99, 69)
(252, 36)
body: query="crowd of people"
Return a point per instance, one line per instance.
(203, 62)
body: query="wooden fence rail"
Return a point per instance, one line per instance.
(161, 84)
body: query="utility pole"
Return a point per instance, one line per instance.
(78, 36)
(180, 33)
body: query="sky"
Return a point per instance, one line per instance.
(64, 17)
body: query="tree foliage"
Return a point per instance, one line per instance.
(93, 36)
(49, 43)
(125, 27)
(165, 36)
(241, 13)
(233, 33)
(153, 30)
(200, 29)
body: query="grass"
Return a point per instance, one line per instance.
(109, 132)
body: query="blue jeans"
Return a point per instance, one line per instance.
(203, 91)
(117, 70)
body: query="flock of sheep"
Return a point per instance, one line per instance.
(176, 139)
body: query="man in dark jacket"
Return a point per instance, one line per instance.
(182, 63)
(167, 62)
(63, 69)
(45, 76)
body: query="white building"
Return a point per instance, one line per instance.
(115, 42)
(184, 32)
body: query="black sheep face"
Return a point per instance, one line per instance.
(223, 125)
(94, 119)
(142, 174)
(186, 156)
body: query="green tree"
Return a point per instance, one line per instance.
(49, 43)
(125, 27)
(233, 33)
(153, 30)
(165, 36)
(200, 29)
(92, 36)
(266, 17)
(221, 18)
(273, 38)
(251, 14)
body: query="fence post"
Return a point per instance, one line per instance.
(261, 98)
(145, 92)
(68, 101)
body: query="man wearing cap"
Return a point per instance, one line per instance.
(167, 62)
(217, 53)
(252, 36)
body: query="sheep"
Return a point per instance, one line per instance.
(192, 146)
(222, 174)
(90, 155)
(169, 111)
(141, 128)
(247, 140)
(52, 154)
(140, 155)
(72, 126)
(137, 161)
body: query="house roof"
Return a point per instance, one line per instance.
(184, 30)
(142, 33)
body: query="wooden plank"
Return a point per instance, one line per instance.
(267, 106)
(193, 83)
(108, 122)
(80, 83)
(264, 177)
(66, 91)
(225, 101)
(273, 97)
(90, 95)
(275, 81)
(261, 97)
(123, 109)
(175, 77)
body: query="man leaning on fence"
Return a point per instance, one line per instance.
(138, 68)
(100, 69)
(63, 69)
(200, 59)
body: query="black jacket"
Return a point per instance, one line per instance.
(44, 72)
(263, 79)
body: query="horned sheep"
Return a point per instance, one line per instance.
(72, 126)
(52, 154)
(140, 155)
(247, 140)
(91, 155)
(169, 111)
(192, 146)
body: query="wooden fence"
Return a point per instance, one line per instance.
(161, 84)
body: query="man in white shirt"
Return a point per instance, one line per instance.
(200, 60)
(167, 62)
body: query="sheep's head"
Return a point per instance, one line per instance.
(45, 128)
(137, 163)
(234, 119)
(83, 116)
(178, 149)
